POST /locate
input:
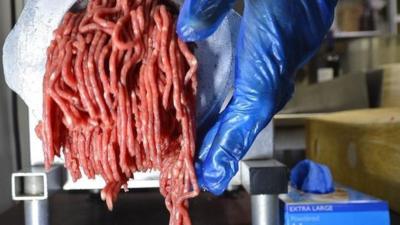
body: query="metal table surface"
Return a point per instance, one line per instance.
(137, 207)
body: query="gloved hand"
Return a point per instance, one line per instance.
(276, 37)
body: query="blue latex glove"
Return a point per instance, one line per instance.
(276, 38)
(312, 177)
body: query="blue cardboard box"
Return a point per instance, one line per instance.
(343, 207)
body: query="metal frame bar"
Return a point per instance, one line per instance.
(34, 186)
(392, 13)
(29, 186)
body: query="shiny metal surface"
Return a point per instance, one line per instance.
(36, 212)
(29, 186)
(265, 210)
(36, 183)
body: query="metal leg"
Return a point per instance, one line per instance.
(36, 212)
(33, 186)
(265, 209)
(264, 180)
